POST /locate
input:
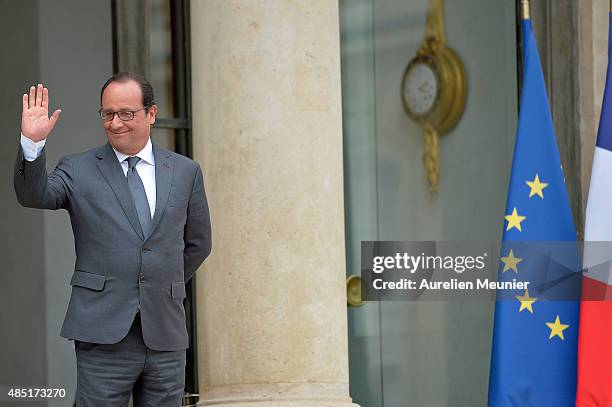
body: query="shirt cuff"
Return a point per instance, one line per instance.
(31, 150)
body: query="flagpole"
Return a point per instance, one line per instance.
(525, 9)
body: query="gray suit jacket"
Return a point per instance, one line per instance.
(117, 267)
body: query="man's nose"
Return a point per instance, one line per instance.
(116, 122)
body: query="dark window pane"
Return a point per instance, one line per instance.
(160, 41)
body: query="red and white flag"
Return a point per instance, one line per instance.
(595, 338)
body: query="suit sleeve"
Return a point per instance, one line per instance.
(36, 189)
(197, 235)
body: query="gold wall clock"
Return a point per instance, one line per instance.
(434, 89)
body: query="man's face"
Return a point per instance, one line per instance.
(127, 137)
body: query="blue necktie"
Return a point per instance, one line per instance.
(139, 195)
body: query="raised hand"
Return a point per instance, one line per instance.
(35, 121)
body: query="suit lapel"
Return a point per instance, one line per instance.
(113, 173)
(164, 167)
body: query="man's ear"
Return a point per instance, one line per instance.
(152, 114)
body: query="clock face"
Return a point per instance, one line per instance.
(420, 88)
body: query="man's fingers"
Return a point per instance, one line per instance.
(54, 117)
(45, 98)
(24, 102)
(32, 96)
(39, 95)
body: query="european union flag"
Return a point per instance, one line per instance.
(533, 362)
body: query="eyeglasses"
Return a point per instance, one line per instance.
(124, 115)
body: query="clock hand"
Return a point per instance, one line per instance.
(422, 88)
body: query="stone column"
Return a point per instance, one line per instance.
(267, 125)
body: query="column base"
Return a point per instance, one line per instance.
(274, 403)
(278, 395)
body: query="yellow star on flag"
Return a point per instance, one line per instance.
(536, 187)
(527, 302)
(514, 220)
(510, 262)
(556, 328)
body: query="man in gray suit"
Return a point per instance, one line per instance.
(141, 229)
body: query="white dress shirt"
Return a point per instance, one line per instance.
(145, 167)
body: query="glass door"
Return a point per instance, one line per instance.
(423, 353)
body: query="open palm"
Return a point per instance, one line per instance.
(35, 121)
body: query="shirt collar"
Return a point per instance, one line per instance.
(146, 154)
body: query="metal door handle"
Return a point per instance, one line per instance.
(353, 291)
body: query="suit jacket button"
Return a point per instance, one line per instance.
(141, 279)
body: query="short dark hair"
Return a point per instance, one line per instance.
(148, 99)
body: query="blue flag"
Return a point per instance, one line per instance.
(533, 361)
